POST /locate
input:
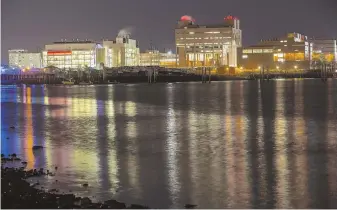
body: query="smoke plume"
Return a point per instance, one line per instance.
(125, 32)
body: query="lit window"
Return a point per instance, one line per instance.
(244, 56)
(213, 32)
(257, 51)
(267, 50)
(247, 51)
(191, 32)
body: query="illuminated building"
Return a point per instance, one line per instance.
(24, 59)
(156, 58)
(207, 45)
(121, 52)
(72, 54)
(150, 58)
(293, 51)
(168, 59)
(324, 50)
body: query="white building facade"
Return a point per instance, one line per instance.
(72, 55)
(24, 59)
(121, 52)
(208, 45)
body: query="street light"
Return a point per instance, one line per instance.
(277, 67)
(295, 67)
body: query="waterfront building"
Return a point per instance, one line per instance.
(150, 58)
(324, 50)
(24, 59)
(156, 58)
(207, 45)
(293, 51)
(122, 51)
(169, 60)
(73, 54)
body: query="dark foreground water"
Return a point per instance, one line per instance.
(235, 144)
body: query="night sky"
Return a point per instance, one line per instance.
(30, 24)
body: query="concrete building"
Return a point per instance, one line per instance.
(324, 50)
(73, 54)
(24, 59)
(121, 52)
(293, 51)
(207, 45)
(156, 58)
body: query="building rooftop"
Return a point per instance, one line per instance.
(74, 42)
(223, 25)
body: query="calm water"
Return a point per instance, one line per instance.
(235, 144)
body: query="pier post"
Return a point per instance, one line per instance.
(154, 76)
(149, 76)
(203, 74)
(209, 77)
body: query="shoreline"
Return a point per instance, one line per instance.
(18, 193)
(174, 79)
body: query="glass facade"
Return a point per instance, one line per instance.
(70, 59)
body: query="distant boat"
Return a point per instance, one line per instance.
(68, 82)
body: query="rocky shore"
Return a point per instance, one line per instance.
(17, 193)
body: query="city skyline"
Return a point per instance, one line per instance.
(24, 23)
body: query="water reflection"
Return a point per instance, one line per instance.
(221, 145)
(29, 142)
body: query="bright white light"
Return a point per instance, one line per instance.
(169, 52)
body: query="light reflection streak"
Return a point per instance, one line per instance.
(261, 154)
(216, 156)
(229, 152)
(130, 109)
(301, 176)
(29, 142)
(241, 154)
(113, 164)
(281, 154)
(172, 145)
(192, 147)
(332, 143)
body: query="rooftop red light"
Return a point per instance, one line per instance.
(230, 17)
(186, 18)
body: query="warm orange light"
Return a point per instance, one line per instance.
(59, 52)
